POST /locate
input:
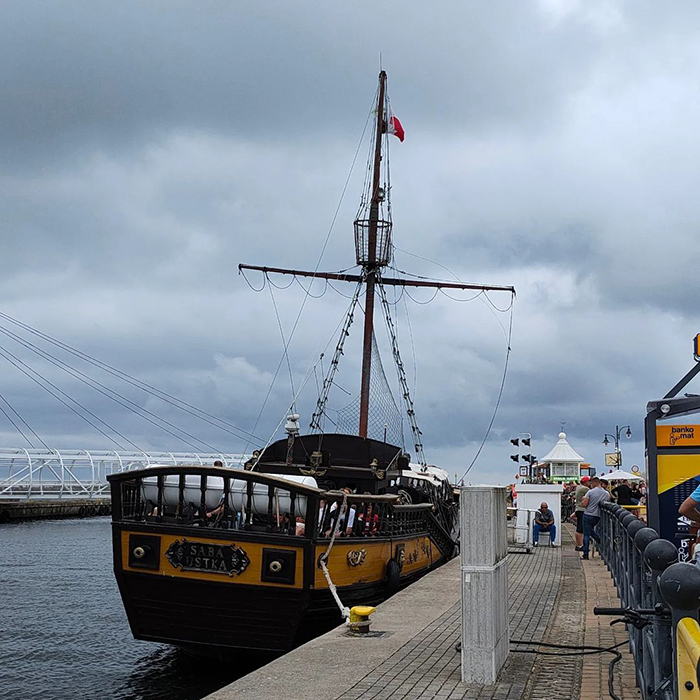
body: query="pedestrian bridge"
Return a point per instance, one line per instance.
(56, 474)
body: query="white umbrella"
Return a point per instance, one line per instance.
(618, 474)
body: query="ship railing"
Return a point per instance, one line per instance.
(234, 499)
(367, 515)
(216, 497)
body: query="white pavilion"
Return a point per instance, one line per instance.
(562, 462)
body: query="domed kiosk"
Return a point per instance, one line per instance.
(562, 462)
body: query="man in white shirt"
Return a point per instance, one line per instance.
(591, 515)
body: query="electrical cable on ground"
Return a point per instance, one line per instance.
(576, 650)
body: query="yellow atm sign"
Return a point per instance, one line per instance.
(678, 435)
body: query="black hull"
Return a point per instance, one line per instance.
(268, 621)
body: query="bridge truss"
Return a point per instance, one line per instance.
(54, 474)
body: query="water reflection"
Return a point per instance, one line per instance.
(63, 630)
(167, 672)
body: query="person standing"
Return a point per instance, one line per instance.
(581, 490)
(591, 515)
(623, 493)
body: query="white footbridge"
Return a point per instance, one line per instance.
(81, 474)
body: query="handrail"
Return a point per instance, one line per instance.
(225, 472)
(660, 604)
(360, 498)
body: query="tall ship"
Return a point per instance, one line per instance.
(217, 560)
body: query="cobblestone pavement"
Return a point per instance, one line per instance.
(429, 667)
(552, 595)
(559, 678)
(601, 591)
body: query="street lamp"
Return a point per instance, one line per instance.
(616, 440)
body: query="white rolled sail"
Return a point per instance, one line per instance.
(237, 498)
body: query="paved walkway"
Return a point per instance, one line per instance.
(550, 594)
(601, 591)
(429, 667)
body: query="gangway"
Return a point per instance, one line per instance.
(80, 474)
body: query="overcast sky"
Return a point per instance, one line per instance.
(147, 148)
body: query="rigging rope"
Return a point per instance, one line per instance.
(306, 296)
(279, 325)
(498, 400)
(384, 420)
(109, 393)
(410, 412)
(139, 384)
(320, 410)
(323, 559)
(309, 373)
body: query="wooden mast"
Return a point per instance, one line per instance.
(371, 265)
(371, 260)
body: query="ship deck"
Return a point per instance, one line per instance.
(412, 656)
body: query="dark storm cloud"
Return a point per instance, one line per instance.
(80, 76)
(147, 148)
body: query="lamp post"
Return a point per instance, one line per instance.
(616, 439)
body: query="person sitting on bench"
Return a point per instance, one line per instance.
(544, 522)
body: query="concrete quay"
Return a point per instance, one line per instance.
(411, 653)
(45, 508)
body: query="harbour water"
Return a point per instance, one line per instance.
(63, 630)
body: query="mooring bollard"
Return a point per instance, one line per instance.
(484, 573)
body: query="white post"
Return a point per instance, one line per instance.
(484, 583)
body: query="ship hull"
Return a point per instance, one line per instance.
(220, 616)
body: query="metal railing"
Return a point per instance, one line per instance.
(660, 604)
(57, 474)
(520, 523)
(218, 497)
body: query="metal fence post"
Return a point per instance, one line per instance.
(680, 588)
(659, 555)
(647, 676)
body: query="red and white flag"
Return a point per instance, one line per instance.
(394, 126)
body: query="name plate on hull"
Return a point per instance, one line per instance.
(206, 556)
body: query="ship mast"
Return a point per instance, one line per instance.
(373, 251)
(370, 264)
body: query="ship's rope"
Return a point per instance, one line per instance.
(323, 559)
(316, 269)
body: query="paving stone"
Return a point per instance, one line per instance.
(551, 596)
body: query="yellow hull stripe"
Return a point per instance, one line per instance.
(250, 576)
(419, 554)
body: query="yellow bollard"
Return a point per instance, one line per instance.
(359, 618)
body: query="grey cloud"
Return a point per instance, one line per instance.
(149, 148)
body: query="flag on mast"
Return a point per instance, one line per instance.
(394, 126)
